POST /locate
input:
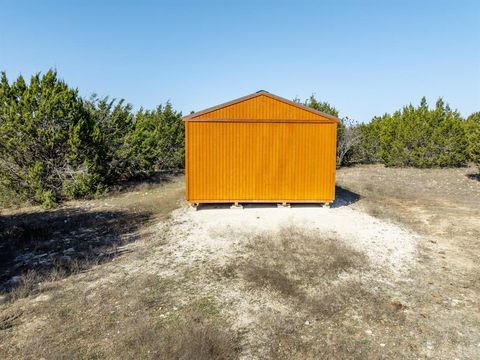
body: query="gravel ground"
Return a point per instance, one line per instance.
(218, 230)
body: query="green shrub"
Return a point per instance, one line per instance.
(157, 140)
(415, 136)
(46, 138)
(321, 106)
(54, 145)
(114, 121)
(367, 150)
(136, 145)
(472, 131)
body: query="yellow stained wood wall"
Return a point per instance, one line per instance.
(260, 108)
(266, 160)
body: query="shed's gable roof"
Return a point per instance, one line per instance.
(260, 106)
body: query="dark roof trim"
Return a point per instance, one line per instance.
(259, 93)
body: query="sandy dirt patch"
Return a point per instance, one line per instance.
(220, 231)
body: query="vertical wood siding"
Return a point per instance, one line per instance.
(260, 160)
(260, 108)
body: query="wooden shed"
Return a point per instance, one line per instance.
(260, 148)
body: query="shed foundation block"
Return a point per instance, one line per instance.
(236, 205)
(194, 206)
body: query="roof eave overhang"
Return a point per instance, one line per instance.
(194, 116)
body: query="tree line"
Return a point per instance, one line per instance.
(56, 145)
(419, 136)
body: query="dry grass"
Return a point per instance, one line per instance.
(63, 241)
(132, 318)
(303, 255)
(27, 285)
(322, 282)
(293, 294)
(294, 261)
(191, 338)
(10, 319)
(336, 306)
(43, 246)
(443, 289)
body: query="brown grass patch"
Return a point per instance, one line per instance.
(333, 326)
(294, 260)
(192, 337)
(9, 319)
(320, 279)
(27, 284)
(64, 241)
(131, 318)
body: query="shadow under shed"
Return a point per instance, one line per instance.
(343, 197)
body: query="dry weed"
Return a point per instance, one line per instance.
(295, 259)
(192, 337)
(26, 285)
(10, 318)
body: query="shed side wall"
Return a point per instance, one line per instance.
(260, 161)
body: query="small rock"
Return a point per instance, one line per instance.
(368, 332)
(42, 298)
(397, 305)
(382, 345)
(307, 322)
(455, 302)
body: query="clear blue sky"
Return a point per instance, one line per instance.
(364, 57)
